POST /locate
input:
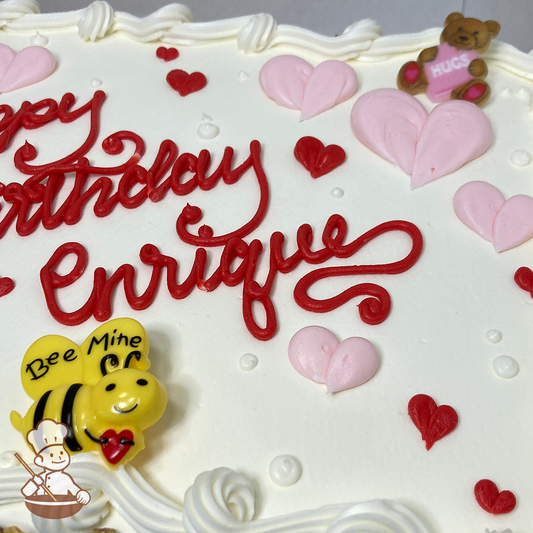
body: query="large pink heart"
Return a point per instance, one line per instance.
(389, 122)
(395, 125)
(482, 208)
(29, 66)
(292, 82)
(455, 133)
(316, 354)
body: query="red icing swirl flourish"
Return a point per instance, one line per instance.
(375, 309)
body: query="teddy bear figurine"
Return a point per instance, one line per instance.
(453, 70)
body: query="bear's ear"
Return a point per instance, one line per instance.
(452, 17)
(493, 27)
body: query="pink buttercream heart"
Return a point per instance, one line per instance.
(283, 79)
(455, 133)
(513, 224)
(7, 55)
(389, 122)
(482, 208)
(476, 205)
(29, 66)
(353, 363)
(310, 351)
(396, 126)
(316, 354)
(292, 82)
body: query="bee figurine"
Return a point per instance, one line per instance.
(100, 390)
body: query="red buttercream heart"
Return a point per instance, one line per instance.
(6, 286)
(524, 279)
(493, 501)
(433, 422)
(186, 83)
(167, 54)
(317, 158)
(115, 446)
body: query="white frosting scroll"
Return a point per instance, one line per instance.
(12, 10)
(94, 22)
(220, 501)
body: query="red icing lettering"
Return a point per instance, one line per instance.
(373, 310)
(58, 192)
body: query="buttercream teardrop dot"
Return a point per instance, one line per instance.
(243, 76)
(520, 158)
(337, 193)
(96, 83)
(506, 91)
(38, 40)
(285, 470)
(208, 131)
(8, 460)
(524, 93)
(505, 366)
(494, 336)
(206, 118)
(248, 362)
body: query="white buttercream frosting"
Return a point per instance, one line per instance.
(12, 10)
(433, 342)
(219, 501)
(96, 21)
(173, 24)
(256, 35)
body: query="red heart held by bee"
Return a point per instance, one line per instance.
(185, 83)
(167, 54)
(433, 422)
(317, 158)
(492, 500)
(116, 445)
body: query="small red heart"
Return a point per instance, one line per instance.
(6, 286)
(186, 83)
(115, 446)
(167, 54)
(317, 158)
(524, 279)
(493, 501)
(433, 422)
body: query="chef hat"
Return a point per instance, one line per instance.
(47, 433)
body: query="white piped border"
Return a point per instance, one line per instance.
(219, 501)
(173, 24)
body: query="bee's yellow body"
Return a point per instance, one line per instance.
(111, 405)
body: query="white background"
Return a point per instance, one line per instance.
(330, 17)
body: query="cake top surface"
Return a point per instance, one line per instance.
(453, 312)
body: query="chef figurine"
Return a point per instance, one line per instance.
(47, 441)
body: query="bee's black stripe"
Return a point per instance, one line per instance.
(39, 410)
(66, 417)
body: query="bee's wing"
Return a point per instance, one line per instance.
(119, 343)
(49, 362)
